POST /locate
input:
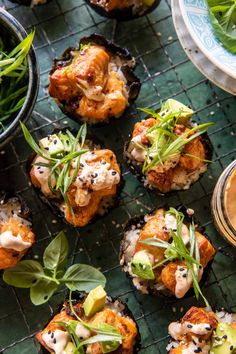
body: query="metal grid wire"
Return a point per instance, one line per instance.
(165, 72)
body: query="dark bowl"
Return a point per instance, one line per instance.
(122, 15)
(11, 29)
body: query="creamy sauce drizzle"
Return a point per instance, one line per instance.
(137, 152)
(171, 224)
(56, 341)
(82, 332)
(230, 199)
(42, 173)
(16, 243)
(94, 176)
(184, 280)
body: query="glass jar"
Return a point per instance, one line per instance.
(223, 204)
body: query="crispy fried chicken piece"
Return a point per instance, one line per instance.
(207, 252)
(88, 68)
(141, 128)
(9, 258)
(84, 214)
(125, 326)
(113, 104)
(155, 226)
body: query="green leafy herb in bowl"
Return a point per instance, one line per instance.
(19, 76)
(223, 19)
(44, 279)
(13, 78)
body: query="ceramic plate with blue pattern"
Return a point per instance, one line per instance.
(197, 20)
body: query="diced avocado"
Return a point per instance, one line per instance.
(52, 144)
(108, 347)
(95, 301)
(224, 339)
(141, 265)
(148, 2)
(70, 348)
(176, 106)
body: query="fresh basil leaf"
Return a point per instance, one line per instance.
(83, 277)
(42, 291)
(56, 252)
(24, 275)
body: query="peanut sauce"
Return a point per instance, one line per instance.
(230, 199)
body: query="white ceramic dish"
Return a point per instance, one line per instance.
(206, 67)
(197, 20)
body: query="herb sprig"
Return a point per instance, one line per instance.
(164, 143)
(60, 166)
(13, 78)
(44, 280)
(178, 250)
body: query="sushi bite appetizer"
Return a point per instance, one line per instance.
(167, 150)
(95, 81)
(91, 323)
(203, 331)
(16, 236)
(76, 177)
(123, 9)
(31, 3)
(166, 253)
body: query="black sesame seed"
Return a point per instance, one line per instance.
(113, 173)
(231, 347)
(41, 172)
(52, 335)
(81, 338)
(197, 350)
(92, 181)
(55, 142)
(181, 269)
(38, 168)
(49, 332)
(94, 175)
(81, 165)
(47, 148)
(224, 336)
(184, 275)
(133, 265)
(81, 179)
(54, 340)
(189, 326)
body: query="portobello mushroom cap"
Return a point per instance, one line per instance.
(111, 302)
(54, 204)
(122, 14)
(136, 166)
(151, 287)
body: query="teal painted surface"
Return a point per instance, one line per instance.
(165, 72)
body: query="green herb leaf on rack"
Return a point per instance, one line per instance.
(83, 277)
(44, 281)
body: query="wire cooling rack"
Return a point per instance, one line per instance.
(165, 72)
